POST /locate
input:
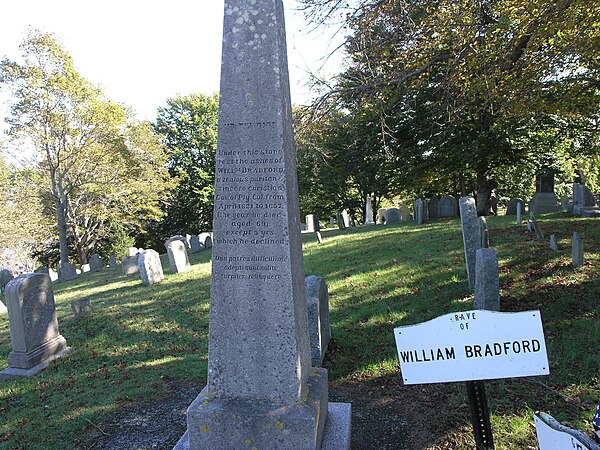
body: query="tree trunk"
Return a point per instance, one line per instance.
(485, 186)
(62, 231)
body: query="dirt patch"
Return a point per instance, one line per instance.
(386, 415)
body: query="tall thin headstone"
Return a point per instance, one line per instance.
(487, 280)
(577, 250)
(346, 219)
(519, 209)
(262, 390)
(340, 221)
(331, 222)
(483, 229)
(369, 211)
(471, 235)
(553, 242)
(419, 211)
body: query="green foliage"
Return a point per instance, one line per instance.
(99, 165)
(118, 241)
(188, 125)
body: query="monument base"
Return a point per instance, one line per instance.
(246, 423)
(336, 435)
(28, 360)
(544, 202)
(10, 373)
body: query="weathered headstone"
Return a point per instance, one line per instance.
(112, 261)
(576, 192)
(494, 205)
(312, 223)
(340, 221)
(447, 206)
(34, 334)
(317, 297)
(331, 222)
(48, 271)
(381, 216)
(577, 250)
(564, 203)
(178, 258)
(188, 241)
(539, 234)
(487, 280)
(520, 209)
(405, 213)
(369, 211)
(205, 240)
(261, 390)
(66, 271)
(81, 307)
(544, 199)
(346, 218)
(553, 243)
(483, 230)
(195, 245)
(5, 277)
(208, 242)
(511, 207)
(150, 268)
(419, 211)
(85, 268)
(129, 265)
(319, 237)
(95, 263)
(175, 238)
(393, 215)
(471, 235)
(434, 207)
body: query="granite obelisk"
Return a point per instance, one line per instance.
(262, 391)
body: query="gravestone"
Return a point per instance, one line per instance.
(511, 207)
(331, 222)
(175, 238)
(133, 251)
(471, 235)
(208, 242)
(494, 205)
(577, 250)
(369, 211)
(487, 280)
(529, 226)
(447, 206)
(519, 213)
(261, 389)
(405, 213)
(553, 243)
(195, 245)
(129, 264)
(312, 223)
(564, 203)
(95, 263)
(48, 271)
(187, 242)
(85, 268)
(576, 192)
(419, 211)
(319, 237)
(393, 215)
(81, 308)
(317, 297)
(340, 221)
(205, 240)
(539, 234)
(34, 333)
(178, 258)
(381, 216)
(112, 261)
(5, 277)
(150, 268)
(434, 207)
(544, 199)
(552, 435)
(66, 271)
(483, 230)
(346, 218)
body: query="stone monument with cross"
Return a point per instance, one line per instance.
(262, 391)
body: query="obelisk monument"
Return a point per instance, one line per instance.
(262, 391)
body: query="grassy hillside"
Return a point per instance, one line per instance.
(142, 339)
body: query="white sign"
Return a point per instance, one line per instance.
(472, 345)
(551, 438)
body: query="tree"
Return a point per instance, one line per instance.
(474, 77)
(188, 125)
(98, 164)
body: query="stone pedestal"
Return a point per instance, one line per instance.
(544, 202)
(369, 212)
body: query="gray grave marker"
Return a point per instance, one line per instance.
(393, 215)
(487, 281)
(317, 297)
(312, 223)
(471, 235)
(81, 308)
(577, 250)
(95, 263)
(195, 245)
(66, 271)
(34, 333)
(369, 211)
(381, 214)
(539, 234)
(178, 258)
(447, 206)
(553, 243)
(129, 265)
(261, 387)
(150, 268)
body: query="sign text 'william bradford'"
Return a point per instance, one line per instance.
(473, 345)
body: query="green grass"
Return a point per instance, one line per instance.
(139, 338)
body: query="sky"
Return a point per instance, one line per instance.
(142, 52)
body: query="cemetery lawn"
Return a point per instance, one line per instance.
(141, 358)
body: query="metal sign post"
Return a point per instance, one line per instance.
(480, 415)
